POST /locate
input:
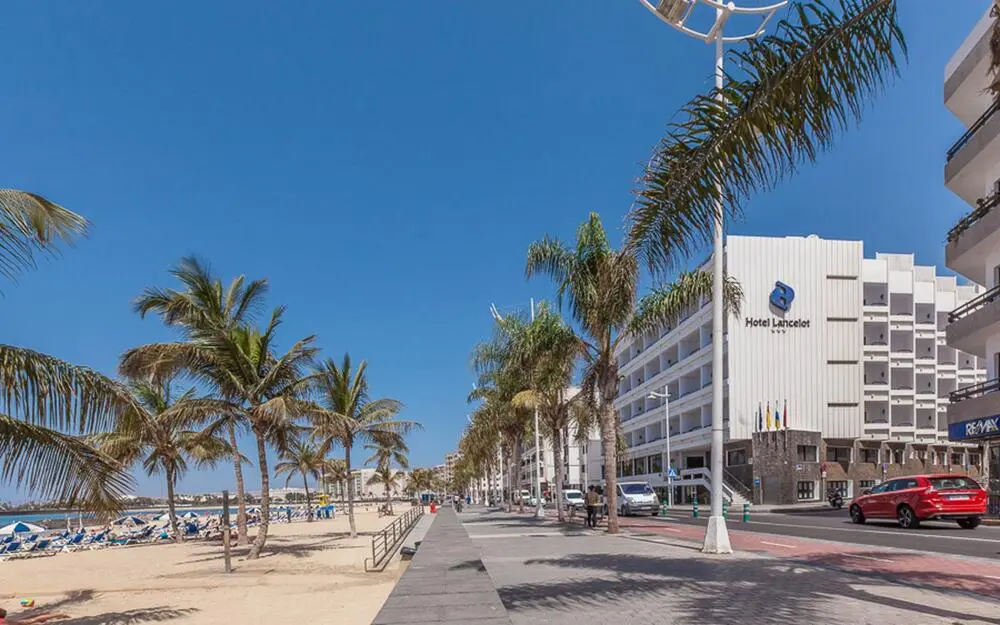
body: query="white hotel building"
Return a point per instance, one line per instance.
(972, 172)
(853, 348)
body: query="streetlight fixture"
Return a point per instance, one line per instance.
(676, 13)
(665, 396)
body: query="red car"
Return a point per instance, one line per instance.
(917, 498)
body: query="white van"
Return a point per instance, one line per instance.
(573, 498)
(635, 497)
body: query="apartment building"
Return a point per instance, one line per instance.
(972, 172)
(836, 374)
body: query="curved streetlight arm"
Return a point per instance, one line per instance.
(676, 12)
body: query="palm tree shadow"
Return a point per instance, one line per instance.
(131, 617)
(703, 591)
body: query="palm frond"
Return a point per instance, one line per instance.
(798, 89)
(665, 305)
(30, 223)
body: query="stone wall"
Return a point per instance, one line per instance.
(776, 464)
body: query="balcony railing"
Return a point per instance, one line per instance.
(983, 208)
(974, 304)
(974, 391)
(971, 132)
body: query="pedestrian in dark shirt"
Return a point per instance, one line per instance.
(593, 501)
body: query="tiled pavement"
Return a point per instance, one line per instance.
(553, 574)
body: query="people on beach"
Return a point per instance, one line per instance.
(43, 617)
(593, 501)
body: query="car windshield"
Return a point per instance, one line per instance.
(574, 495)
(950, 483)
(636, 489)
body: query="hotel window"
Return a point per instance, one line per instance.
(806, 490)
(736, 457)
(838, 454)
(840, 485)
(956, 459)
(897, 456)
(973, 460)
(808, 453)
(941, 458)
(869, 455)
(866, 484)
(656, 464)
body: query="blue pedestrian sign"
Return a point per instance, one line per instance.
(672, 473)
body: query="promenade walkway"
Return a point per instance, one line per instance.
(446, 583)
(562, 575)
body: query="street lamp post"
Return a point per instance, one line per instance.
(676, 13)
(665, 396)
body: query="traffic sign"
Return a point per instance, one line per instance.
(672, 473)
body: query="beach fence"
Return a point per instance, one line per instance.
(384, 542)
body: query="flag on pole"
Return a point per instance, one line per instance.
(760, 418)
(784, 417)
(768, 415)
(777, 416)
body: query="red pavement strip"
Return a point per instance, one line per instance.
(977, 576)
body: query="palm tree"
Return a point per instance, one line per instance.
(346, 415)
(204, 310)
(48, 405)
(796, 91)
(242, 369)
(600, 286)
(420, 481)
(160, 434)
(389, 478)
(303, 458)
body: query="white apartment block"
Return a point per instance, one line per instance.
(972, 172)
(845, 353)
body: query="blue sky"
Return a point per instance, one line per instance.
(386, 164)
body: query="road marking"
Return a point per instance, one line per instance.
(864, 531)
(764, 542)
(854, 555)
(524, 535)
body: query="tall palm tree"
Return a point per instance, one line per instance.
(387, 450)
(203, 310)
(302, 457)
(242, 369)
(600, 285)
(48, 405)
(420, 481)
(797, 89)
(162, 435)
(389, 478)
(346, 415)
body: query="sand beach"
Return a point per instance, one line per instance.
(310, 573)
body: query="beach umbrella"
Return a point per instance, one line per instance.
(162, 517)
(20, 527)
(190, 515)
(130, 520)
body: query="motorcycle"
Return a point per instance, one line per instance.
(835, 499)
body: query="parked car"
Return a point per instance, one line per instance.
(917, 498)
(526, 497)
(573, 498)
(635, 497)
(534, 502)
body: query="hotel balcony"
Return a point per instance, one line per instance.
(974, 238)
(966, 73)
(973, 322)
(971, 402)
(973, 155)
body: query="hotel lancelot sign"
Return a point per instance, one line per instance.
(781, 301)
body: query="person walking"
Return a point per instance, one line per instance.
(593, 501)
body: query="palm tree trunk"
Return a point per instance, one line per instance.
(517, 477)
(265, 499)
(557, 460)
(241, 500)
(350, 491)
(309, 508)
(609, 440)
(171, 505)
(388, 499)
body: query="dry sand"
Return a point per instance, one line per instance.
(310, 573)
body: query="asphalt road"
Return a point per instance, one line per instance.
(938, 537)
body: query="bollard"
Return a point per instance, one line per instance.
(725, 509)
(746, 512)
(694, 510)
(663, 509)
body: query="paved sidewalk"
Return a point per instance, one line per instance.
(562, 575)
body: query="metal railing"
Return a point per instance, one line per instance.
(385, 541)
(971, 132)
(983, 208)
(974, 304)
(736, 484)
(974, 391)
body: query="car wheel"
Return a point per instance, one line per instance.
(857, 516)
(970, 523)
(907, 518)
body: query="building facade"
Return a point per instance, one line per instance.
(836, 375)
(972, 172)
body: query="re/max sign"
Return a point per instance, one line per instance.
(775, 323)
